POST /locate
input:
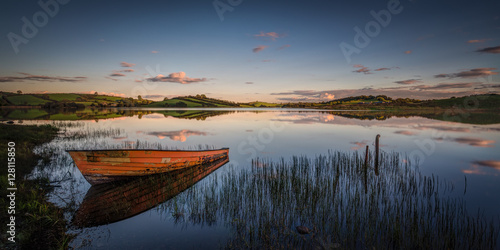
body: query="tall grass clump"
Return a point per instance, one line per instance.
(342, 202)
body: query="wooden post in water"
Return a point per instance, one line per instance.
(366, 170)
(377, 151)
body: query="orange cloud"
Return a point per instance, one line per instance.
(126, 64)
(478, 40)
(178, 77)
(362, 69)
(408, 52)
(271, 35)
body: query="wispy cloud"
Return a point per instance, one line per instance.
(259, 48)
(365, 70)
(178, 77)
(494, 50)
(284, 46)
(408, 52)
(126, 64)
(117, 74)
(361, 69)
(127, 70)
(409, 81)
(269, 35)
(41, 78)
(478, 72)
(478, 40)
(248, 82)
(154, 51)
(449, 86)
(268, 60)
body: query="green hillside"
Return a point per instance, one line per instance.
(68, 100)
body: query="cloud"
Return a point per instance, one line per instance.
(475, 142)
(284, 46)
(365, 70)
(41, 78)
(270, 35)
(268, 60)
(127, 70)
(259, 48)
(180, 135)
(248, 82)
(126, 64)
(154, 51)
(409, 81)
(478, 72)
(117, 74)
(494, 50)
(361, 69)
(408, 52)
(449, 86)
(110, 78)
(178, 77)
(478, 40)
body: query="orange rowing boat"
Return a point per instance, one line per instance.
(116, 201)
(101, 166)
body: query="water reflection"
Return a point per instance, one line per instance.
(180, 135)
(108, 203)
(449, 150)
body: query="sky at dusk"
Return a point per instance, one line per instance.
(247, 50)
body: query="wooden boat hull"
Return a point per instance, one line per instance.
(112, 202)
(102, 166)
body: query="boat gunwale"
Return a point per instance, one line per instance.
(176, 150)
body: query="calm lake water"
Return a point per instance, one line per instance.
(466, 155)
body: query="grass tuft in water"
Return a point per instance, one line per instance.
(398, 209)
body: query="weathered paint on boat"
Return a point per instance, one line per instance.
(112, 202)
(101, 166)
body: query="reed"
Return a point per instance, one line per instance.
(399, 208)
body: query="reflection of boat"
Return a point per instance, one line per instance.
(100, 166)
(116, 201)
